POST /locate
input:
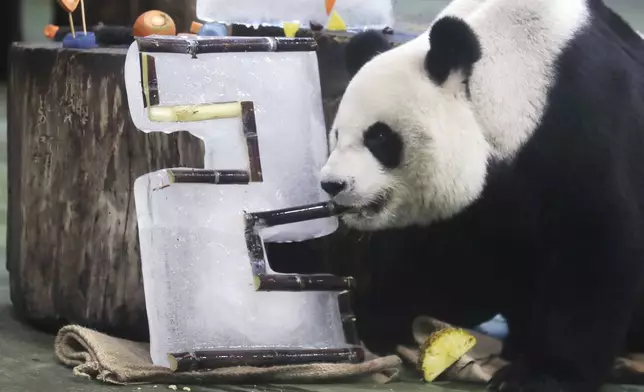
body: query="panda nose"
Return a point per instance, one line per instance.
(333, 187)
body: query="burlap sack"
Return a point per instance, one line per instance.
(95, 355)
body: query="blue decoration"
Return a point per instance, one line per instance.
(496, 327)
(213, 29)
(81, 41)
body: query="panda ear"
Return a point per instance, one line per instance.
(453, 46)
(363, 47)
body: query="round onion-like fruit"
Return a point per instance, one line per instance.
(154, 23)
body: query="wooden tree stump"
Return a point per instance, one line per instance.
(73, 157)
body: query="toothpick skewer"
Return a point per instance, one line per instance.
(83, 16)
(69, 6)
(71, 24)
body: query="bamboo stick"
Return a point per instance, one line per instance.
(207, 176)
(194, 113)
(252, 141)
(297, 214)
(208, 360)
(295, 283)
(204, 45)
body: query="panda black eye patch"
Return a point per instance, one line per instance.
(384, 144)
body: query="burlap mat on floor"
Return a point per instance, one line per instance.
(116, 361)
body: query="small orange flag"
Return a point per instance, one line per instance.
(329, 6)
(69, 5)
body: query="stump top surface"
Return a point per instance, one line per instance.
(58, 46)
(397, 38)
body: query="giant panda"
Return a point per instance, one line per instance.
(497, 164)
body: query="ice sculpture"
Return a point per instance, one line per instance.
(357, 14)
(210, 294)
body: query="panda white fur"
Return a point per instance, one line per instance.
(503, 154)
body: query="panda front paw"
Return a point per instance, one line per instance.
(519, 377)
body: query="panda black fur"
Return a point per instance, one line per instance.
(502, 171)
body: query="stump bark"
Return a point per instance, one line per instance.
(13, 20)
(74, 154)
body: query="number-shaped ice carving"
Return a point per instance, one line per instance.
(256, 104)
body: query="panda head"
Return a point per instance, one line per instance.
(406, 148)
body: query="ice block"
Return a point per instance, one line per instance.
(357, 14)
(198, 279)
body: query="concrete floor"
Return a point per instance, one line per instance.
(26, 356)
